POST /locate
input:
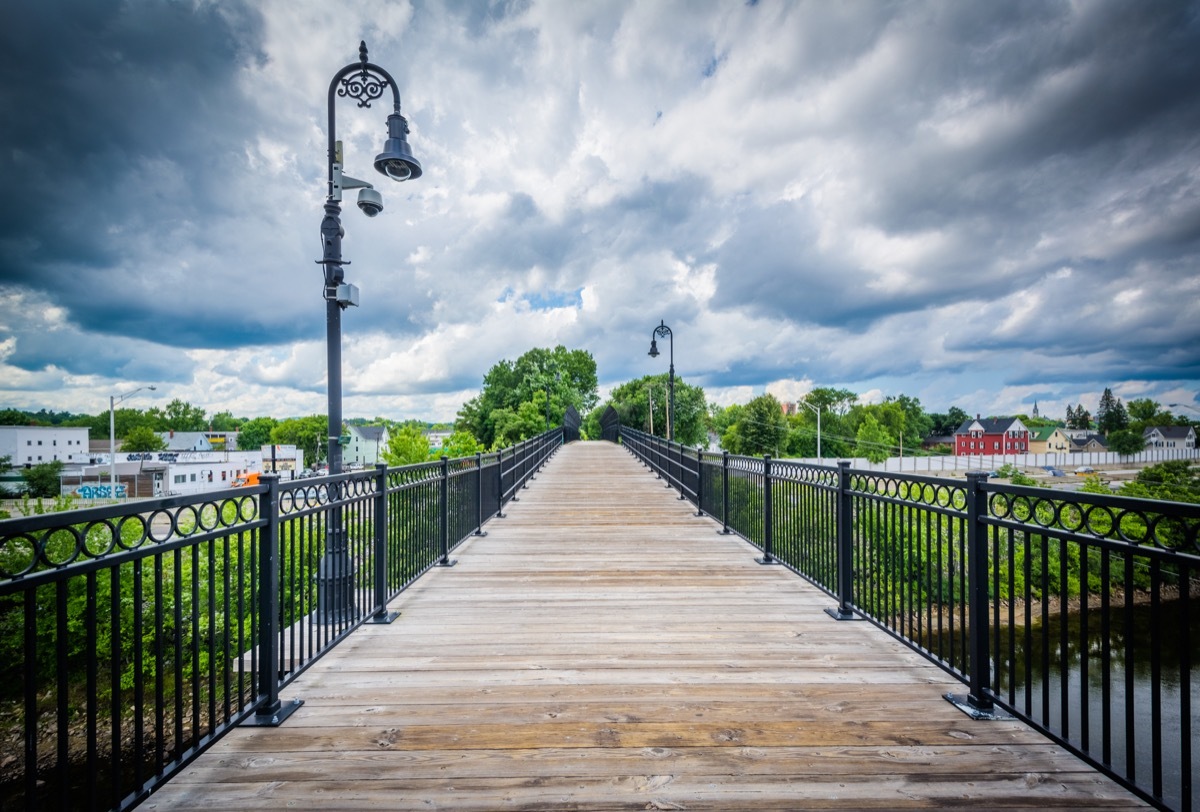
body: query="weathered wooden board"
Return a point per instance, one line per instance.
(604, 648)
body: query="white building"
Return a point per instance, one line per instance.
(27, 446)
(366, 446)
(163, 473)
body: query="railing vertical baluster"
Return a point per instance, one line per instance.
(479, 531)
(768, 556)
(500, 485)
(444, 529)
(725, 531)
(978, 703)
(845, 548)
(380, 564)
(270, 712)
(699, 482)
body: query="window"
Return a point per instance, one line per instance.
(193, 477)
(223, 473)
(29, 442)
(179, 479)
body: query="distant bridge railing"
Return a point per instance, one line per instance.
(1078, 613)
(132, 637)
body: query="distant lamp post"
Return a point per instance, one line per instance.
(364, 82)
(663, 331)
(816, 409)
(113, 400)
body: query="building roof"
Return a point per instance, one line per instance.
(1170, 432)
(370, 433)
(1042, 433)
(1082, 439)
(989, 425)
(185, 440)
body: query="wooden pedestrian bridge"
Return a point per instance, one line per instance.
(603, 644)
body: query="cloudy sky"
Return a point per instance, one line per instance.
(977, 204)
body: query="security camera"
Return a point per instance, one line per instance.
(370, 201)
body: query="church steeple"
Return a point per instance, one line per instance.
(1035, 410)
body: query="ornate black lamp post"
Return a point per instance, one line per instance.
(663, 331)
(364, 82)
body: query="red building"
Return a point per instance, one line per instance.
(992, 435)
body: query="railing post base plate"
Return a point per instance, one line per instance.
(273, 719)
(447, 562)
(963, 703)
(381, 619)
(767, 559)
(481, 533)
(837, 614)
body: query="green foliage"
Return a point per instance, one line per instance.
(948, 423)
(406, 446)
(5, 463)
(761, 429)
(1110, 414)
(1174, 481)
(567, 376)
(1018, 477)
(461, 444)
(43, 478)
(256, 433)
(225, 421)
(631, 400)
(142, 438)
(1078, 418)
(1126, 441)
(872, 440)
(306, 433)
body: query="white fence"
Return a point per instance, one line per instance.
(1066, 462)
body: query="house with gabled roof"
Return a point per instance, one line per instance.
(1170, 437)
(366, 446)
(991, 435)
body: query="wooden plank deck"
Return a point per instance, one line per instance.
(603, 648)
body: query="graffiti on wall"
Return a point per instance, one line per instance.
(99, 491)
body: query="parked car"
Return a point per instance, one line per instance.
(1052, 471)
(1085, 469)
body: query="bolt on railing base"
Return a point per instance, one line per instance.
(381, 619)
(274, 717)
(963, 703)
(837, 614)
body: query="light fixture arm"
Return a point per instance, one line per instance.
(361, 80)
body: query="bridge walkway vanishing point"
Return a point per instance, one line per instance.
(604, 648)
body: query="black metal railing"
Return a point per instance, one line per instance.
(134, 636)
(1078, 613)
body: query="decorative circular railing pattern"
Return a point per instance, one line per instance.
(1128, 521)
(29, 551)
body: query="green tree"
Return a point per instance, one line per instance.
(946, 424)
(43, 478)
(256, 433)
(182, 416)
(406, 446)
(1110, 414)
(872, 440)
(306, 433)
(1078, 418)
(567, 376)
(763, 428)
(631, 400)
(461, 444)
(5, 463)
(1126, 441)
(142, 438)
(224, 421)
(16, 417)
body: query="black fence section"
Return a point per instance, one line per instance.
(610, 425)
(571, 424)
(1078, 613)
(132, 637)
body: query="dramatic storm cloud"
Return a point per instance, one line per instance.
(978, 204)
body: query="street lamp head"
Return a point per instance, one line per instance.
(653, 348)
(397, 161)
